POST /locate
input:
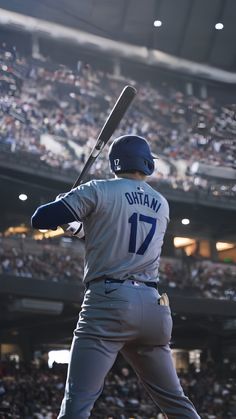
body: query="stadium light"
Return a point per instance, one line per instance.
(59, 357)
(220, 246)
(185, 221)
(48, 234)
(157, 23)
(219, 26)
(183, 241)
(23, 197)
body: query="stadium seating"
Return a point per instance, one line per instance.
(35, 391)
(28, 258)
(59, 121)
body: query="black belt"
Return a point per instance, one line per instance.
(120, 281)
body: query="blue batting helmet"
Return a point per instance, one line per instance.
(131, 153)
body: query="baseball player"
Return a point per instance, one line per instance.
(124, 221)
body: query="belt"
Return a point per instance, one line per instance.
(151, 284)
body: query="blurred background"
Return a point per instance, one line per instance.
(62, 66)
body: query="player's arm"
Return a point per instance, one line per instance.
(52, 215)
(55, 214)
(69, 208)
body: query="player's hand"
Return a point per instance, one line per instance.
(76, 229)
(164, 300)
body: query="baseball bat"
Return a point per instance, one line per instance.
(118, 111)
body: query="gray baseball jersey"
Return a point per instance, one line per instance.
(124, 222)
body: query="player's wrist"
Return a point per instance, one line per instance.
(76, 229)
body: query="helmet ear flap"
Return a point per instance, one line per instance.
(150, 165)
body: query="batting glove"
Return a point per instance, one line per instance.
(164, 300)
(76, 229)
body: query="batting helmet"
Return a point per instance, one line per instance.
(131, 153)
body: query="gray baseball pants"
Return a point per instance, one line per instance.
(123, 317)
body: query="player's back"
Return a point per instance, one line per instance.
(124, 232)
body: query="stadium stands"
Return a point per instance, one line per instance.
(41, 262)
(35, 391)
(56, 123)
(28, 259)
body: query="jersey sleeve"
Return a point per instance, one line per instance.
(165, 216)
(82, 200)
(166, 210)
(51, 215)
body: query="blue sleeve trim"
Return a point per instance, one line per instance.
(69, 207)
(51, 215)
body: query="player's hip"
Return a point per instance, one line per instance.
(124, 310)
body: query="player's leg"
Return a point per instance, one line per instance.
(154, 366)
(104, 324)
(91, 359)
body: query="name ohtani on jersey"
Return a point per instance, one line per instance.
(143, 199)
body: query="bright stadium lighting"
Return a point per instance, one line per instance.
(23, 197)
(220, 246)
(219, 26)
(157, 23)
(59, 357)
(185, 221)
(183, 241)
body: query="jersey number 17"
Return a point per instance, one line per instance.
(134, 220)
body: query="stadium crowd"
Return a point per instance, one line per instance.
(47, 262)
(44, 262)
(209, 280)
(35, 392)
(54, 113)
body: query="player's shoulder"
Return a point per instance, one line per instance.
(93, 183)
(104, 182)
(95, 186)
